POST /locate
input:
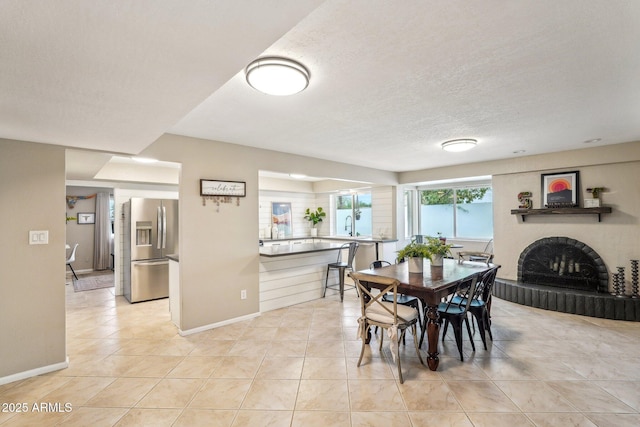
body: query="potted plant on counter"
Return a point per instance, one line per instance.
(314, 217)
(414, 253)
(438, 250)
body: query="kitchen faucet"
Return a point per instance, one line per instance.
(348, 224)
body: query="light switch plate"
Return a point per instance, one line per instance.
(38, 237)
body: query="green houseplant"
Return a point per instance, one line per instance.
(438, 249)
(314, 217)
(414, 253)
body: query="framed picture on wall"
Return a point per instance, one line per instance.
(560, 189)
(86, 218)
(281, 218)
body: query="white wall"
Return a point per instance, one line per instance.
(299, 203)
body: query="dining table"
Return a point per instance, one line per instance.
(431, 286)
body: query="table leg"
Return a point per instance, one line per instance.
(342, 271)
(433, 332)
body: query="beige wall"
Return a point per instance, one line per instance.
(32, 277)
(218, 250)
(616, 239)
(616, 167)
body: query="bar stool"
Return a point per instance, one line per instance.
(341, 267)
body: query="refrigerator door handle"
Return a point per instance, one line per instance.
(149, 263)
(159, 228)
(164, 227)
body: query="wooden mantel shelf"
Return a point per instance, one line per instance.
(561, 211)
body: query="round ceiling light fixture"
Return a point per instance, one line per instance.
(458, 145)
(277, 76)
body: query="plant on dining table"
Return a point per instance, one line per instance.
(414, 250)
(437, 246)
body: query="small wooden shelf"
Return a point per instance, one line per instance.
(562, 211)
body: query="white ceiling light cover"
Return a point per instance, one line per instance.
(458, 145)
(277, 76)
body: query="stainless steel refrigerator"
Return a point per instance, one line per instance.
(150, 234)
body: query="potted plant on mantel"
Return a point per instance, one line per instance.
(414, 253)
(314, 217)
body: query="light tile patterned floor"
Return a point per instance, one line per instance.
(297, 367)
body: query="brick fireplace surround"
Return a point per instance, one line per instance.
(566, 275)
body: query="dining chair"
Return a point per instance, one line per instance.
(403, 299)
(72, 258)
(454, 311)
(342, 267)
(475, 256)
(389, 315)
(485, 255)
(480, 308)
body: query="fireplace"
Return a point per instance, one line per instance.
(564, 263)
(565, 275)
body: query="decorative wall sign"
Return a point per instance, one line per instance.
(86, 218)
(560, 189)
(210, 187)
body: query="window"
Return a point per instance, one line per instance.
(465, 212)
(353, 214)
(409, 198)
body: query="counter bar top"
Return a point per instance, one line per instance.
(297, 248)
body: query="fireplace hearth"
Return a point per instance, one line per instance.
(565, 275)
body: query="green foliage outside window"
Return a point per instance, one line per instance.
(445, 196)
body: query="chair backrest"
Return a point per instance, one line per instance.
(485, 257)
(468, 290)
(353, 248)
(489, 247)
(72, 257)
(391, 287)
(378, 263)
(487, 281)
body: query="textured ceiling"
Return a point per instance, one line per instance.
(390, 81)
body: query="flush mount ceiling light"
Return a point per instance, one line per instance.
(277, 76)
(457, 145)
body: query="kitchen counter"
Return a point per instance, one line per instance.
(297, 248)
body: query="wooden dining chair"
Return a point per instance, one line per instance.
(389, 315)
(403, 299)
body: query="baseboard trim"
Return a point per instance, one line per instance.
(34, 372)
(217, 325)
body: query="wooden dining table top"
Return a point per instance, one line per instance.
(434, 282)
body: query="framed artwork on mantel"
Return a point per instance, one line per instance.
(560, 189)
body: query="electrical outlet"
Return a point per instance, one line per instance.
(243, 294)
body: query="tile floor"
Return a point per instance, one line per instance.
(297, 367)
